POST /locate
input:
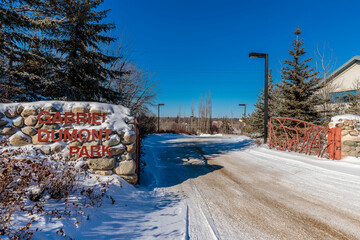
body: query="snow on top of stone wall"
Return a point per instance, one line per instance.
(340, 118)
(345, 116)
(115, 120)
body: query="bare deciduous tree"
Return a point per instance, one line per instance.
(353, 106)
(325, 64)
(205, 115)
(192, 116)
(136, 86)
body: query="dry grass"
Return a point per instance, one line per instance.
(28, 179)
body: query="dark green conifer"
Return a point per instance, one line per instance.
(300, 84)
(24, 49)
(256, 119)
(84, 68)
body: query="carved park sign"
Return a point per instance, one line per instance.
(44, 135)
(104, 136)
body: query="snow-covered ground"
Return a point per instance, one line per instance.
(223, 187)
(130, 213)
(235, 190)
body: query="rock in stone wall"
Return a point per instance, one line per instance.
(21, 125)
(350, 134)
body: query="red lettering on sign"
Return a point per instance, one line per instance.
(40, 139)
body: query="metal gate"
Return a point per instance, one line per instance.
(303, 137)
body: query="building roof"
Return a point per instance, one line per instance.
(343, 67)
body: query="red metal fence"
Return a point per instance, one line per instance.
(303, 137)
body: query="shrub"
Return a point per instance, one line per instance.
(28, 179)
(147, 124)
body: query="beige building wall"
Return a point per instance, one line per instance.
(347, 80)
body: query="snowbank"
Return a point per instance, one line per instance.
(340, 118)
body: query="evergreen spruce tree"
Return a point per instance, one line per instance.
(54, 49)
(256, 119)
(24, 49)
(84, 68)
(299, 86)
(14, 24)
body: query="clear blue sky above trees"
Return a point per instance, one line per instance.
(193, 46)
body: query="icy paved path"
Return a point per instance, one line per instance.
(236, 191)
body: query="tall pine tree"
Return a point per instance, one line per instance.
(25, 48)
(300, 85)
(15, 24)
(84, 66)
(256, 120)
(54, 49)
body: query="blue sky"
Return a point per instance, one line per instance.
(193, 46)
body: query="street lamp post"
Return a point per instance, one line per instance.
(160, 104)
(243, 105)
(266, 91)
(242, 124)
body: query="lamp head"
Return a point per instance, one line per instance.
(257, 55)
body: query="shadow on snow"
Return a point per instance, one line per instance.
(172, 159)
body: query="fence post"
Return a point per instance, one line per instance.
(334, 143)
(337, 144)
(331, 143)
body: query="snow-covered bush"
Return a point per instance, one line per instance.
(29, 179)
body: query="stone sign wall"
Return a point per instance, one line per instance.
(103, 135)
(350, 134)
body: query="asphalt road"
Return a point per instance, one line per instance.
(234, 190)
